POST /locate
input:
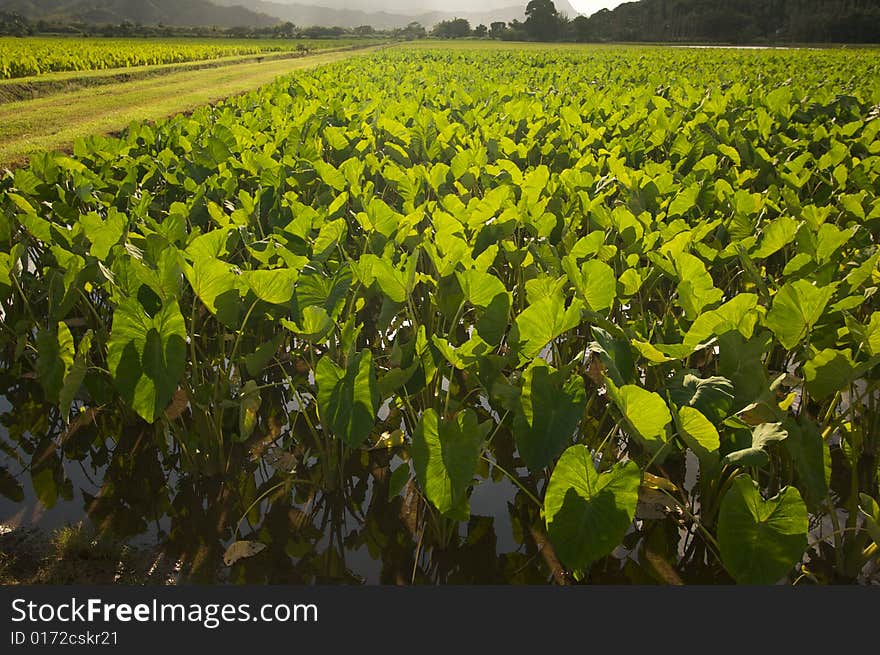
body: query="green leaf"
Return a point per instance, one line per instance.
(713, 396)
(812, 459)
(796, 308)
(274, 286)
(872, 334)
(445, 454)
(480, 288)
(600, 286)
(695, 287)
(543, 321)
(347, 398)
(777, 234)
(103, 233)
(217, 286)
(256, 361)
(550, 408)
(249, 405)
(147, 356)
(761, 540)
(329, 175)
(55, 352)
(684, 201)
(829, 371)
(756, 455)
(75, 376)
(399, 477)
(314, 326)
(646, 413)
(697, 431)
(588, 513)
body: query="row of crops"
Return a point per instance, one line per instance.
(637, 284)
(25, 57)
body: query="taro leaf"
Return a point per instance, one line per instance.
(256, 361)
(146, 356)
(348, 398)
(391, 281)
(870, 511)
(646, 413)
(595, 282)
(329, 235)
(494, 321)
(829, 371)
(240, 550)
(272, 286)
(314, 326)
(588, 513)
(103, 233)
(55, 352)
(738, 313)
(796, 308)
(761, 540)
(713, 396)
(249, 405)
(74, 378)
(812, 459)
(480, 288)
(872, 334)
(741, 362)
(399, 478)
(756, 455)
(697, 431)
(615, 354)
(695, 288)
(550, 407)
(543, 321)
(217, 286)
(445, 454)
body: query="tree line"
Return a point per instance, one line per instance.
(730, 21)
(14, 24)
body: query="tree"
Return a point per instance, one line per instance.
(497, 28)
(452, 29)
(481, 31)
(542, 20)
(413, 30)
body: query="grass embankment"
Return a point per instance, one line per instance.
(54, 122)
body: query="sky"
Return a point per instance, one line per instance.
(588, 7)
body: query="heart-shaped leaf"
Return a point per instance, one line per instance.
(761, 540)
(347, 398)
(445, 455)
(550, 407)
(588, 513)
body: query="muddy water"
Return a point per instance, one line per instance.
(320, 524)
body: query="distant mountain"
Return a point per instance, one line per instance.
(145, 12)
(840, 21)
(352, 13)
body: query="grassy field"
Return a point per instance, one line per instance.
(56, 121)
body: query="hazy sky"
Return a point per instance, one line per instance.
(588, 7)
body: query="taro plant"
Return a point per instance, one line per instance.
(645, 300)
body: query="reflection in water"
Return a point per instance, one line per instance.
(328, 517)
